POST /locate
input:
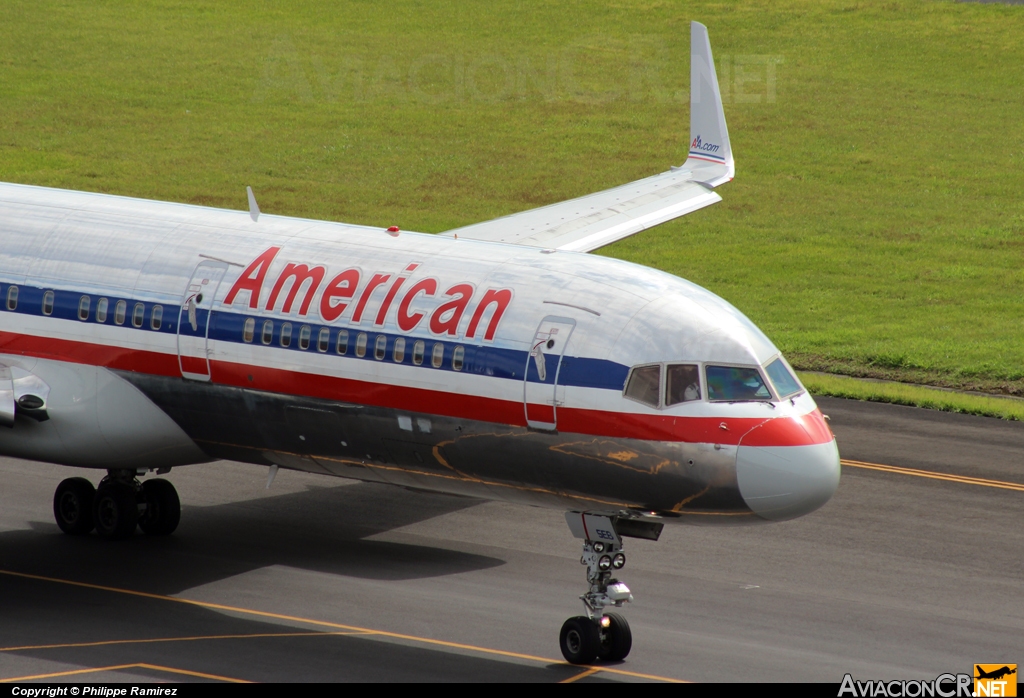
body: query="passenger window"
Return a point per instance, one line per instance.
(249, 329)
(785, 382)
(286, 334)
(437, 358)
(83, 307)
(683, 384)
(101, 310)
(120, 310)
(12, 298)
(156, 320)
(304, 334)
(380, 347)
(342, 341)
(48, 303)
(268, 332)
(735, 384)
(644, 385)
(361, 345)
(323, 340)
(418, 349)
(138, 314)
(457, 357)
(399, 353)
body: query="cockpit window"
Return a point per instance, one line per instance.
(683, 384)
(644, 385)
(735, 384)
(785, 382)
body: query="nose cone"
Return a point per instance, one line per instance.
(780, 482)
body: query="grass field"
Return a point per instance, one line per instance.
(944, 399)
(875, 228)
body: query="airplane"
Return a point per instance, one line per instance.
(995, 674)
(498, 360)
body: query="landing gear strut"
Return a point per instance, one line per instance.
(598, 635)
(117, 506)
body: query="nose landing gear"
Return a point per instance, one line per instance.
(598, 635)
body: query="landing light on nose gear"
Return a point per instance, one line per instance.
(600, 635)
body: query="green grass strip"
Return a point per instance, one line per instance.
(913, 395)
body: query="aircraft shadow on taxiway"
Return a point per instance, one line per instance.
(322, 529)
(37, 613)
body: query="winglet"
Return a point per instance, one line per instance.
(254, 209)
(710, 155)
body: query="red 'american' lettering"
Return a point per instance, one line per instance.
(300, 283)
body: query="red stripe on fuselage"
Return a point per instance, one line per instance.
(781, 431)
(120, 358)
(807, 430)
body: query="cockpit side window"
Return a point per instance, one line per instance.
(683, 384)
(735, 384)
(784, 381)
(644, 385)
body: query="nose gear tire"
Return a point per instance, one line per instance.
(616, 639)
(579, 640)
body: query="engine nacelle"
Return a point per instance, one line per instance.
(80, 415)
(21, 393)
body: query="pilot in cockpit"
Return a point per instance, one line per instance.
(683, 384)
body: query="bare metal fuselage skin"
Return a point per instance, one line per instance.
(170, 334)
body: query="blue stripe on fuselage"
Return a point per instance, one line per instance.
(228, 327)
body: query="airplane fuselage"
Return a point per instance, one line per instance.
(171, 334)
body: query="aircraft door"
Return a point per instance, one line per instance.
(194, 320)
(541, 395)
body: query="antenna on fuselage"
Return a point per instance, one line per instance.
(254, 209)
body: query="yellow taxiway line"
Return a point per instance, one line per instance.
(325, 624)
(121, 667)
(962, 479)
(192, 638)
(582, 675)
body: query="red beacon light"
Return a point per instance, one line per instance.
(393, 231)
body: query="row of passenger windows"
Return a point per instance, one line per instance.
(156, 317)
(682, 383)
(323, 339)
(361, 344)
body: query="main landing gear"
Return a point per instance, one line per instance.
(598, 635)
(117, 506)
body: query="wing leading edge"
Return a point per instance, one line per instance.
(589, 222)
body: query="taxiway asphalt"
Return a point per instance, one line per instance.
(901, 575)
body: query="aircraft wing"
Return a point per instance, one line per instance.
(596, 220)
